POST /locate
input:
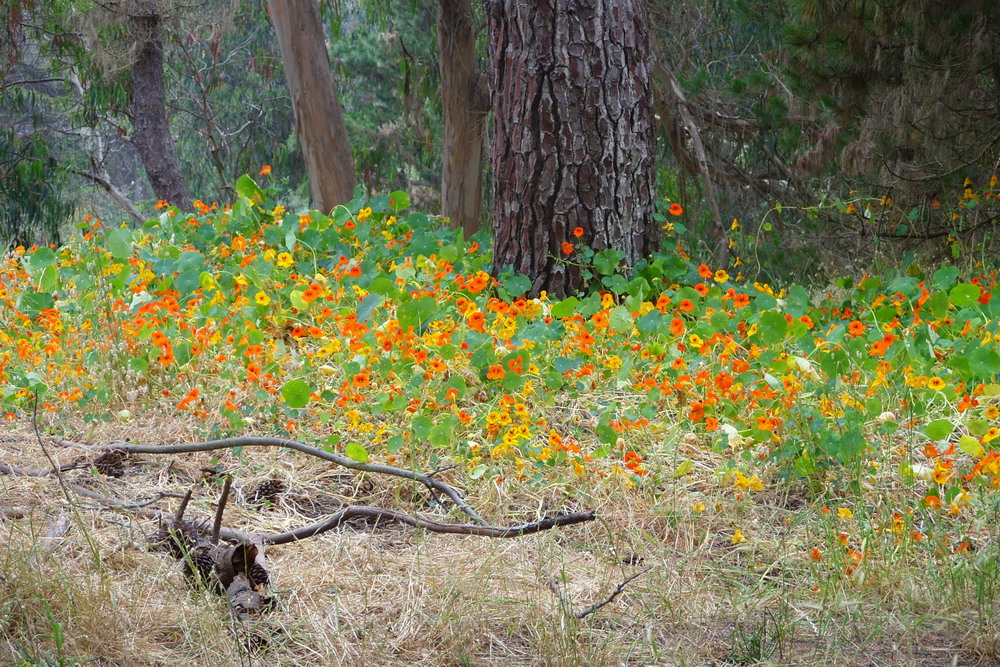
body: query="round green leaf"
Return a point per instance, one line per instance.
(296, 393)
(356, 452)
(939, 429)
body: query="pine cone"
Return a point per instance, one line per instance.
(267, 492)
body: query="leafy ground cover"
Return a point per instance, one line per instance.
(810, 474)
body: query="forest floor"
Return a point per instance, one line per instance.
(388, 594)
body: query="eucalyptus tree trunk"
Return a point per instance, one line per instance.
(573, 137)
(465, 102)
(319, 118)
(151, 133)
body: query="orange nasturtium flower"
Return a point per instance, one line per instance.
(265, 170)
(567, 248)
(495, 372)
(578, 232)
(676, 209)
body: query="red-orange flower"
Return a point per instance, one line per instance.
(676, 209)
(578, 232)
(567, 248)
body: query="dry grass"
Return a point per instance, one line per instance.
(389, 595)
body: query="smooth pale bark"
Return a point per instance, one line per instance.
(573, 136)
(319, 118)
(151, 133)
(465, 103)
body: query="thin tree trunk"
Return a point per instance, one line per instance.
(319, 118)
(151, 135)
(464, 94)
(573, 137)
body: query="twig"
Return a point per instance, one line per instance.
(223, 499)
(41, 443)
(584, 613)
(257, 441)
(179, 514)
(6, 469)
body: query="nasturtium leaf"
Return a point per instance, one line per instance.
(356, 452)
(246, 187)
(422, 427)
(939, 429)
(478, 471)
(296, 393)
(120, 243)
(963, 294)
(620, 319)
(399, 200)
(442, 434)
(416, 311)
(639, 287)
(939, 305)
(944, 277)
(458, 383)
(32, 303)
(563, 364)
(984, 362)
(512, 382)
(970, 445)
(298, 301)
(565, 308)
(772, 327)
(649, 322)
(40, 259)
(190, 260)
(383, 285)
(368, 306)
(615, 282)
(978, 426)
(804, 465)
(394, 444)
(686, 466)
(49, 279)
(517, 285)
(606, 261)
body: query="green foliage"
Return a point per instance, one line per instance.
(33, 207)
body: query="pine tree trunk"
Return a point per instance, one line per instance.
(573, 137)
(151, 133)
(319, 118)
(465, 104)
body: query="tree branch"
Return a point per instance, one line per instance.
(256, 441)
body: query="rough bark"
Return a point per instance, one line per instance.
(573, 137)
(319, 118)
(465, 103)
(151, 134)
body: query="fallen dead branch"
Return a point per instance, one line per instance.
(237, 568)
(428, 480)
(342, 517)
